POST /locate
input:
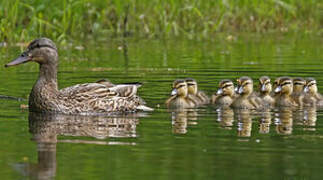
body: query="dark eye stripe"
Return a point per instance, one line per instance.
(297, 83)
(286, 83)
(180, 86)
(190, 84)
(312, 84)
(228, 85)
(40, 46)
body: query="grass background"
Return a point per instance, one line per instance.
(23, 20)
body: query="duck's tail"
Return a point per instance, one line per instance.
(144, 108)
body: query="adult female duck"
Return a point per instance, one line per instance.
(89, 98)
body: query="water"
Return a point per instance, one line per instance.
(200, 144)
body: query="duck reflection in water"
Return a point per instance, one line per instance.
(310, 117)
(284, 121)
(225, 117)
(244, 122)
(265, 121)
(182, 118)
(46, 127)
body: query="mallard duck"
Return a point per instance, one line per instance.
(245, 100)
(265, 90)
(225, 94)
(284, 90)
(179, 96)
(89, 98)
(199, 96)
(312, 97)
(298, 91)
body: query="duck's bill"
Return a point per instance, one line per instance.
(20, 60)
(263, 88)
(174, 92)
(278, 89)
(236, 89)
(240, 91)
(219, 92)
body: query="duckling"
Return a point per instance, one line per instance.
(199, 96)
(298, 91)
(284, 90)
(265, 90)
(179, 96)
(225, 94)
(312, 97)
(245, 100)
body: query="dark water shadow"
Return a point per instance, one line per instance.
(45, 129)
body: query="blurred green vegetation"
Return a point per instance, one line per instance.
(23, 20)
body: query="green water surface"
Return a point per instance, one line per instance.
(198, 144)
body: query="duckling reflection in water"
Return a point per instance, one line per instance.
(264, 124)
(244, 122)
(225, 94)
(284, 121)
(181, 119)
(310, 117)
(284, 90)
(246, 100)
(312, 96)
(265, 90)
(198, 96)
(179, 96)
(225, 117)
(298, 91)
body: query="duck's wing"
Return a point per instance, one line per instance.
(95, 97)
(105, 82)
(126, 90)
(88, 90)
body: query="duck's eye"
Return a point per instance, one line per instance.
(312, 84)
(246, 83)
(267, 83)
(180, 86)
(190, 84)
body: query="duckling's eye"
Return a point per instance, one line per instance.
(312, 84)
(190, 84)
(267, 83)
(246, 83)
(180, 86)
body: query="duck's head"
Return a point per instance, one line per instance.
(298, 84)
(226, 88)
(245, 86)
(179, 88)
(285, 86)
(265, 86)
(310, 86)
(42, 51)
(191, 86)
